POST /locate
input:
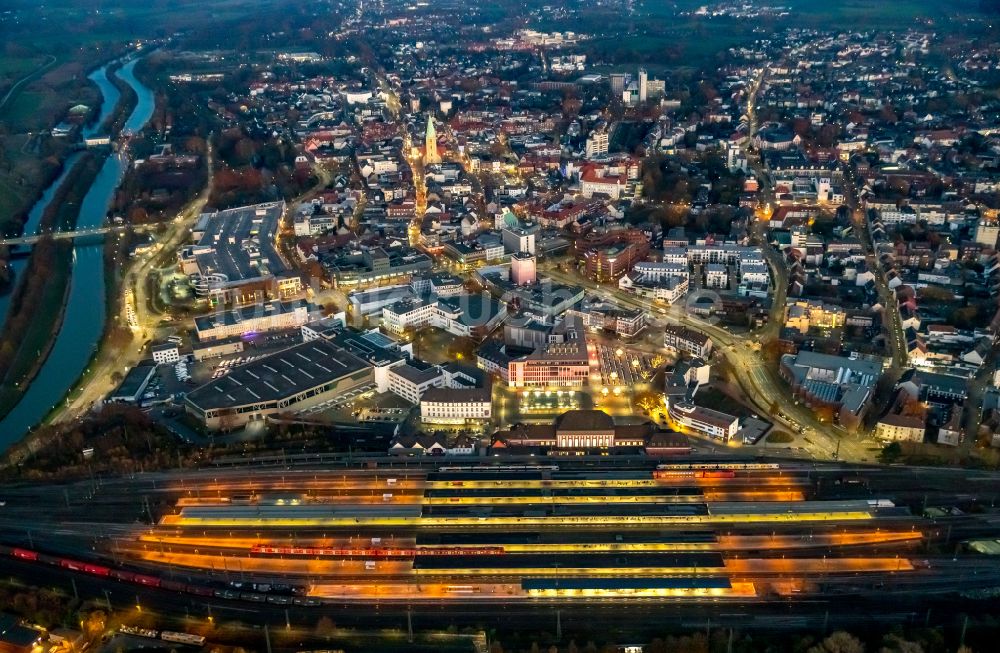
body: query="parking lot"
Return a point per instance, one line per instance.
(622, 367)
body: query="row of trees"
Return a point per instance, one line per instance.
(124, 440)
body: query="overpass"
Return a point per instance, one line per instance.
(77, 233)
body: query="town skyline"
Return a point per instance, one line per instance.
(399, 325)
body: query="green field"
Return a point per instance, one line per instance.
(12, 200)
(22, 112)
(17, 67)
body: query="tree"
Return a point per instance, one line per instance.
(839, 642)
(648, 401)
(896, 644)
(325, 628)
(890, 453)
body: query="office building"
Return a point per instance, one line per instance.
(843, 385)
(618, 82)
(519, 238)
(712, 423)
(556, 363)
(259, 318)
(166, 353)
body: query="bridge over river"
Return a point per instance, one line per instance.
(78, 233)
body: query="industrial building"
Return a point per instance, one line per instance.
(292, 379)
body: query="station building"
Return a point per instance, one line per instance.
(576, 430)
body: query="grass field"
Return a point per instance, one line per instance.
(17, 67)
(12, 199)
(22, 112)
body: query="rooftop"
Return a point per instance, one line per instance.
(239, 243)
(278, 376)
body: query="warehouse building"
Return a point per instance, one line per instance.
(292, 379)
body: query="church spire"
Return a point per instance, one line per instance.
(431, 155)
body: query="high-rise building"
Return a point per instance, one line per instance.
(431, 155)
(656, 88)
(522, 269)
(643, 85)
(519, 238)
(597, 141)
(618, 81)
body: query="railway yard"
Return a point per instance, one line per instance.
(712, 532)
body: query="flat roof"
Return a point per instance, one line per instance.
(620, 583)
(694, 560)
(240, 315)
(706, 415)
(280, 375)
(302, 511)
(546, 493)
(564, 537)
(789, 507)
(417, 375)
(239, 243)
(136, 378)
(369, 346)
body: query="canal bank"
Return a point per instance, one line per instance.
(85, 309)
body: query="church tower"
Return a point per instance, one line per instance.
(431, 155)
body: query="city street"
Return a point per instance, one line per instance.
(761, 386)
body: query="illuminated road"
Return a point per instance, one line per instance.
(759, 383)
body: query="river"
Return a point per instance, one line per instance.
(109, 100)
(85, 312)
(18, 264)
